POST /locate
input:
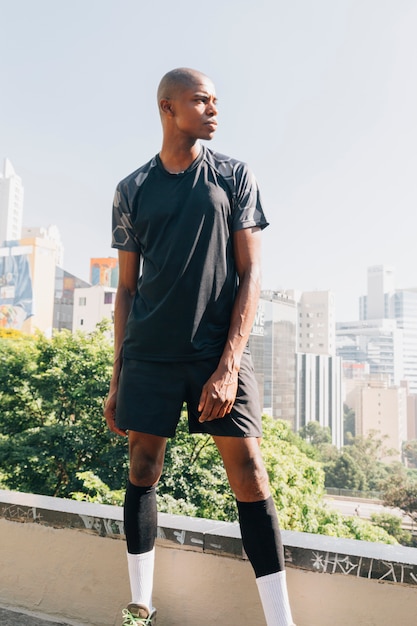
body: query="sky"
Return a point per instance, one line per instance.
(318, 96)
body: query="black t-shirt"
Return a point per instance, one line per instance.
(182, 225)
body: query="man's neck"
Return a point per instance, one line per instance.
(176, 160)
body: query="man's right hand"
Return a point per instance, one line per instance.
(110, 411)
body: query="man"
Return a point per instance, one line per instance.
(188, 226)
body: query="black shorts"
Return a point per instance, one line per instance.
(151, 396)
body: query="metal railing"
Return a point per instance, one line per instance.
(352, 493)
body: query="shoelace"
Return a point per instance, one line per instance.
(131, 620)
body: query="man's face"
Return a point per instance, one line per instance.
(195, 110)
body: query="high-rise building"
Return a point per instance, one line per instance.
(11, 204)
(27, 275)
(377, 343)
(382, 408)
(294, 385)
(273, 344)
(319, 393)
(41, 254)
(384, 303)
(316, 323)
(51, 233)
(384, 344)
(381, 285)
(403, 308)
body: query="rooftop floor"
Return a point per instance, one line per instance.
(16, 618)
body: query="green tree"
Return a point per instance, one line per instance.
(194, 477)
(320, 439)
(402, 493)
(345, 473)
(297, 481)
(349, 424)
(410, 452)
(393, 526)
(55, 388)
(315, 434)
(19, 405)
(360, 465)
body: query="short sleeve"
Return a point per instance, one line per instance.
(123, 232)
(248, 210)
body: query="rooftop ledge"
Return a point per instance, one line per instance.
(360, 560)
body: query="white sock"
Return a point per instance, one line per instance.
(141, 568)
(274, 597)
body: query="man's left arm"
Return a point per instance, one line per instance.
(219, 392)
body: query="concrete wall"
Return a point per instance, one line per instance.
(73, 573)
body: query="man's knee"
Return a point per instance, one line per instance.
(144, 472)
(249, 480)
(146, 460)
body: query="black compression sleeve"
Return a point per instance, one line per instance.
(261, 536)
(140, 518)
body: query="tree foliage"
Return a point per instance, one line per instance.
(393, 525)
(410, 452)
(349, 424)
(315, 434)
(51, 405)
(401, 493)
(359, 465)
(54, 441)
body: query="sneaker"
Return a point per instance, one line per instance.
(138, 615)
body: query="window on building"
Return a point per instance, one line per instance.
(82, 301)
(108, 297)
(81, 322)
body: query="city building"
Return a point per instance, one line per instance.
(377, 343)
(384, 302)
(319, 393)
(91, 306)
(382, 408)
(51, 233)
(316, 323)
(104, 271)
(380, 360)
(412, 416)
(36, 293)
(65, 285)
(380, 287)
(298, 386)
(273, 344)
(41, 257)
(403, 308)
(11, 204)
(318, 370)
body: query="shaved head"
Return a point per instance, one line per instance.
(177, 80)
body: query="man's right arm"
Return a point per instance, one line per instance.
(126, 288)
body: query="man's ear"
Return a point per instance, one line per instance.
(166, 106)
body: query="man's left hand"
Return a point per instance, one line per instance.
(218, 396)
